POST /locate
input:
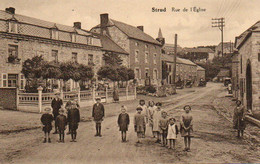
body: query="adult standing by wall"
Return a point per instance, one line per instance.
(239, 118)
(56, 105)
(98, 114)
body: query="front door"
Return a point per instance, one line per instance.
(249, 86)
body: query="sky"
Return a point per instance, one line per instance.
(193, 28)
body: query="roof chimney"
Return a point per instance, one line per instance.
(77, 25)
(10, 10)
(103, 20)
(141, 28)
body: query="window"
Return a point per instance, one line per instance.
(170, 68)
(13, 27)
(136, 44)
(241, 65)
(154, 59)
(73, 37)
(12, 80)
(13, 50)
(146, 57)
(54, 54)
(85, 57)
(146, 72)
(22, 82)
(146, 46)
(90, 40)
(90, 59)
(136, 56)
(137, 73)
(155, 74)
(259, 57)
(54, 34)
(74, 57)
(4, 80)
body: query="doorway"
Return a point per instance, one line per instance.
(249, 86)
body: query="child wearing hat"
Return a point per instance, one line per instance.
(172, 133)
(61, 121)
(46, 120)
(98, 114)
(163, 124)
(186, 127)
(123, 122)
(139, 124)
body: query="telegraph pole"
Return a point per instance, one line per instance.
(220, 23)
(174, 61)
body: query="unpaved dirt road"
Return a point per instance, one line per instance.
(214, 140)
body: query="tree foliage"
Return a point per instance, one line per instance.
(33, 68)
(86, 72)
(112, 59)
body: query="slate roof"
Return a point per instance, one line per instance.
(171, 47)
(178, 60)
(131, 31)
(110, 45)
(38, 22)
(198, 50)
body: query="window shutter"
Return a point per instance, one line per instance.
(4, 79)
(21, 81)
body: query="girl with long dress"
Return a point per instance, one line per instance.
(186, 127)
(239, 119)
(123, 122)
(151, 109)
(156, 118)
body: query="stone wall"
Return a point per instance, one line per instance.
(8, 98)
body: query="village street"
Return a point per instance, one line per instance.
(214, 139)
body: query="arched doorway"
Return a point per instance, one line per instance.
(248, 85)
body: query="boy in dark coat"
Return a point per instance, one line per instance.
(46, 120)
(98, 114)
(61, 123)
(123, 122)
(73, 120)
(56, 105)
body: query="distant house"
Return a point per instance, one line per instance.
(228, 48)
(248, 67)
(223, 73)
(144, 51)
(201, 73)
(198, 55)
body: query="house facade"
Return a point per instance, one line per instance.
(201, 73)
(23, 37)
(144, 51)
(185, 69)
(228, 48)
(248, 57)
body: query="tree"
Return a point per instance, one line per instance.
(108, 72)
(112, 59)
(131, 74)
(33, 68)
(86, 72)
(69, 71)
(51, 71)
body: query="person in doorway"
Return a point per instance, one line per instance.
(239, 119)
(56, 105)
(123, 122)
(46, 120)
(186, 127)
(98, 114)
(73, 120)
(61, 123)
(139, 124)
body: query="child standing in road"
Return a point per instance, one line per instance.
(156, 117)
(46, 120)
(163, 124)
(145, 113)
(73, 120)
(123, 122)
(61, 123)
(139, 124)
(186, 127)
(172, 133)
(151, 110)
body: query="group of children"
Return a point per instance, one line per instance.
(61, 121)
(164, 128)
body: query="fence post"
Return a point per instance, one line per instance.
(126, 89)
(40, 98)
(135, 91)
(79, 94)
(94, 93)
(106, 94)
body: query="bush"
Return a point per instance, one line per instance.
(150, 89)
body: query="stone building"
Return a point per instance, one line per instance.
(185, 69)
(23, 37)
(228, 48)
(144, 51)
(248, 57)
(201, 74)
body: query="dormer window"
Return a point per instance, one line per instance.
(73, 37)
(13, 27)
(54, 34)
